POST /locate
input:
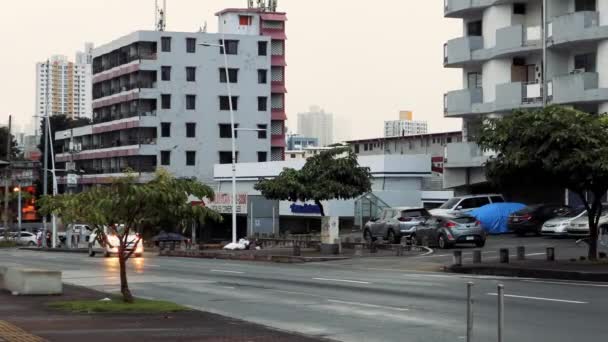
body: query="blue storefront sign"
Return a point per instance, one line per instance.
(305, 209)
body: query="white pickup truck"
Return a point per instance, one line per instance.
(109, 247)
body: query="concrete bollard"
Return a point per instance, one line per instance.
(477, 257)
(504, 255)
(521, 253)
(338, 242)
(358, 250)
(404, 241)
(373, 248)
(358, 240)
(400, 250)
(297, 251)
(550, 254)
(457, 258)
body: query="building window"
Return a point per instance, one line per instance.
(225, 131)
(262, 103)
(474, 28)
(165, 101)
(226, 157)
(519, 8)
(293, 156)
(233, 74)
(165, 44)
(585, 62)
(356, 148)
(191, 74)
(262, 48)
(225, 103)
(263, 131)
(165, 73)
(585, 5)
(262, 157)
(190, 45)
(232, 47)
(165, 158)
(245, 20)
(165, 129)
(190, 130)
(262, 76)
(365, 147)
(190, 102)
(190, 158)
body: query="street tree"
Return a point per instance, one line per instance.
(14, 151)
(332, 174)
(122, 208)
(555, 146)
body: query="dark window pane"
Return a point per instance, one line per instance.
(165, 43)
(165, 129)
(232, 73)
(262, 48)
(262, 157)
(225, 103)
(225, 157)
(190, 130)
(190, 102)
(166, 101)
(262, 76)
(165, 158)
(474, 28)
(191, 74)
(190, 45)
(165, 73)
(263, 134)
(225, 131)
(190, 158)
(232, 47)
(262, 103)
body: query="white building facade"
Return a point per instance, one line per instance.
(501, 55)
(316, 123)
(160, 101)
(401, 128)
(64, 87)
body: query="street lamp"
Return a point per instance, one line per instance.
(17, 189)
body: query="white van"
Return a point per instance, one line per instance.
(465, 204)
(111, 248)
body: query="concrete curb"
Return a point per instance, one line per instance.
(529, 273)
(56, 250)
(251, 257)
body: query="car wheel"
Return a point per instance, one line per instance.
(392, 237)
(31, 244)
(480, 244)
(367, 236)
(442, 242)
(520, 234)
(413, 240)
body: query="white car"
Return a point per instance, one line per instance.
(559, 226)
(134, 243)
(580, 226)
(465, 204)
(27, 239)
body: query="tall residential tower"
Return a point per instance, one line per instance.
(317, 124)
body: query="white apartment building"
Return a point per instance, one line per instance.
(317, 124)
(509, 62)
(401, 128)
(160, 100)
(64, 87)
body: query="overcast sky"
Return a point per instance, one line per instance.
(361, 60)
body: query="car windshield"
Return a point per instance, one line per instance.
(414, 213)
(574, 212)
(450, 203)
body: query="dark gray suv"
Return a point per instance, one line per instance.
(395, 223)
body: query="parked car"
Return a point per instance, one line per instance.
(395, 223)
(447, 231)
(559, 226)
(26, 239)
(580, 226)
(464, 204)
(531, 218)
(110, 246)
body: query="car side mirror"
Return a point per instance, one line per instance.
(459, 207)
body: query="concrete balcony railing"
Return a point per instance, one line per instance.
(576, 88)
(460, 102)
(456, 8)
(576, 27)
(460, 50)
(465, 154)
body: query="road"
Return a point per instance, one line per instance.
(354, 300)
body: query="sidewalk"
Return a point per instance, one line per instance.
(29, 319)
(563, 270)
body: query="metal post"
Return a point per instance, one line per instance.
(55, 190)
(19, 207)
(477, 257)
(470, 311)
(504, 255)
(544, 63)
(457, 258)
(501, 311)
(521, 253)
(550, 254)
(9, 142)
(251, 218)
(45, 173)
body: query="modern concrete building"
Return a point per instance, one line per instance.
(317, 124)
(433, 144)
(509, 62)
(64, 87)
(406, 125)
(160, 100)
(297, 142)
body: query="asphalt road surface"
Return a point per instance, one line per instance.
(375, 299)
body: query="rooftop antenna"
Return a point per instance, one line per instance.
(249, 3)
(204, 28)
(161, 16)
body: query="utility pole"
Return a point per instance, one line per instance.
(45, 172)
(9, 142)
(545, 86)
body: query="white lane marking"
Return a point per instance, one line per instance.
(432, 256)
(228, 287)
(343, 280)
(297, 293)
(151, 266)
(226, 271)
(536, 254)
(367, 305)
(541, 298)
(429, 251)
(566, 283)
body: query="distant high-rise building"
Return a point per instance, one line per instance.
(64, 87)
(404, 126)
(317, 124)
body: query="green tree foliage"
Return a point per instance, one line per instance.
(133, 205)
(3, 140)
(555, 146)
(333, 174)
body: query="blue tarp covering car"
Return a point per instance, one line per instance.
(494, 217)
